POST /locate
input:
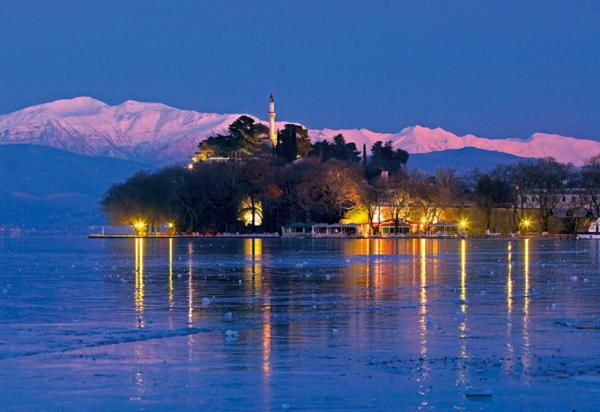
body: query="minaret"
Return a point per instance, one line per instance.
(272, 131)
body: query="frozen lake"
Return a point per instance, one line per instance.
(298, 324)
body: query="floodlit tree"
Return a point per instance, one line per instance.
(139, 199)
(245, 137)
(327, 190)
(248, 136)
(399, 193)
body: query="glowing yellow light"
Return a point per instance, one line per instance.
(526, 223)
(423, 220)
(251, 212)
(170, 225)
(139, 225)
(462, 224)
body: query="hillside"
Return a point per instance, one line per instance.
(462, 160)
(47, 187)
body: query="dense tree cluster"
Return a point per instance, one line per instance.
(245, 137)
(297, 181)
(338, 149)
(214, 197)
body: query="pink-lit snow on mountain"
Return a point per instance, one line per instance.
(419, 139)
(154, 132)
(147, 132)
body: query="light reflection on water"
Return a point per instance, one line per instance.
(526, 298)
(139, 281)
(287, 317)
(510, 351)
(462, 327)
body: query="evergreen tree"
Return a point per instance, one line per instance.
(385, 158)
(293, 142)
(245, 136)
(339, 150)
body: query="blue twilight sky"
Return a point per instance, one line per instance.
(494, 68)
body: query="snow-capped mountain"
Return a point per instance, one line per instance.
(419, 139)
(154, 132)
(144, 132)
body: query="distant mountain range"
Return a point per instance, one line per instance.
(462, 160)
(159, 134)
(57, 159)
(51, 188)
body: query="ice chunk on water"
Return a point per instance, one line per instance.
(231, 335)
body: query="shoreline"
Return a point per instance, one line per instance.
(276, 236)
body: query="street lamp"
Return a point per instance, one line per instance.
(526, 223)
(462, 224)
(171, 226)
(139, 227)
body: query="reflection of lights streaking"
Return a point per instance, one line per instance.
(423, 290)
(463, 275)
(254, 286)
(509, 306)
(377, 246)
(423, 316)
(266, 355)
(253, 267)
(190, 317)
(266, 338)
(368, 274)
(139, 280)
(462, 378)
(171, 274)
(526, 362)
(190, 285)
(509, 282)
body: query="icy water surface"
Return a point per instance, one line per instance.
(299, 324)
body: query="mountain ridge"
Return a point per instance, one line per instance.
(160, 134)
(49, 187)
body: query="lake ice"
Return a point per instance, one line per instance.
(298, 324)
